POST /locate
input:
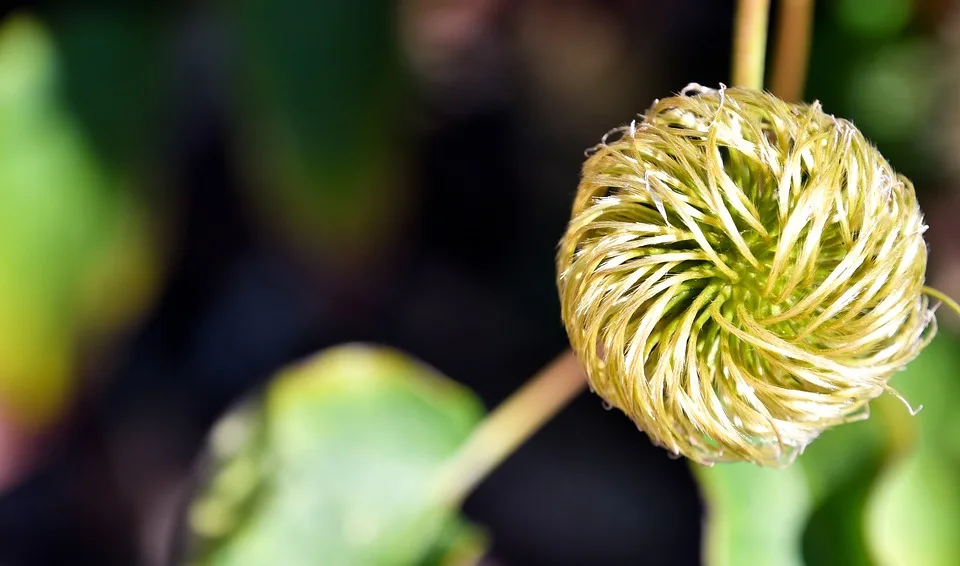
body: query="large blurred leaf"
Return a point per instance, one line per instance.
(334, 466)
(756, 515)
(75, 257)
(913, 515)
(319, 97)
(841, 468)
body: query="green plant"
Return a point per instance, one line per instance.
(740, 275)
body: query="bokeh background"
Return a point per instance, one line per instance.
(193, 194)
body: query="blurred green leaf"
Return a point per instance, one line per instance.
(756, 515)
(115, 75)
(892, 92)
(321, 104)
(840, 468)
(834, 534)
(841, 454)
(913, 515)
(460, 543)
(873, 18)
(335, 466)
(72, 262)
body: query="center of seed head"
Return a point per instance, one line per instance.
(748, 289)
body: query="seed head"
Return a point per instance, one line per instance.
(740, 274)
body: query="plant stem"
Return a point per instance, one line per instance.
(943, 298)
(509, 425)
(750, 43)
(793, 49)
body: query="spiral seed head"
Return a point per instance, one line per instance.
(740, 274)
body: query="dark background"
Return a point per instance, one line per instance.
(447, 136)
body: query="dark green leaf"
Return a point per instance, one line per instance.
(319, 94)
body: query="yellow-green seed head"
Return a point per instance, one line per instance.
(740, 274)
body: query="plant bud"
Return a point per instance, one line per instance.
(740, 274)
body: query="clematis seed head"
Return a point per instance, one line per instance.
(740, 274)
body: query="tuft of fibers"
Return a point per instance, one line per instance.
(741, 273)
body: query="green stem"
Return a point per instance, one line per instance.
(509, 426)
(750, 43)
(943, 298)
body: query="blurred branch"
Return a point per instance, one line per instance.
(510, 425)
(794, 26)
(750, 42)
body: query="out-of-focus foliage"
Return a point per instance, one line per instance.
(319, 121)
(756, 514)
(334, 465)
(893, 93)
(116, 77)
(881, 491)
(886, 80)
(839, 486)
(76, 254)
(873, 18)
(913, 514)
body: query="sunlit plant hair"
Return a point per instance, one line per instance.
(741, 273)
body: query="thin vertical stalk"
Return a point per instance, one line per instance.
(794, 26)
(750, 43)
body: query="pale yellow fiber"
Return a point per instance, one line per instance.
(741, 273)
